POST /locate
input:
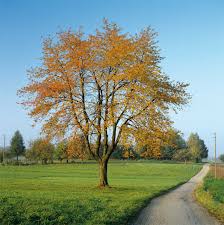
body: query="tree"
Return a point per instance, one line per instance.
(152, 151)
(197, 147)
(129, 153)
(32, 154)
(77, 148)
(41, 149)
(176, 142)
(193, 144)
(182, 155)
(118, 152)
(162, 145)
(221, 157)
(204, 149)
(61, 151)
(17, 146)
(102, 87)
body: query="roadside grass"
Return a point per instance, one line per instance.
(68, 194)
(211, 193)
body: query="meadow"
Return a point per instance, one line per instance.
(68, 194)
(211, 193)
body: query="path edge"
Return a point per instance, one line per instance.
(135, 216)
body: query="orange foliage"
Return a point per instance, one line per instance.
(76, 148)
(106, 87)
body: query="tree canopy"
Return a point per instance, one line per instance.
(107, 87)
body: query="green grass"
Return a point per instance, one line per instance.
(215, 187)
(211, 196)
(68, 194)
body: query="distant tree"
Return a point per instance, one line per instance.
(175, 143)
(17, 146)
(194, 146)
(130, 153)
(32, 154)
(221, 157)
(41, 149)
(118, 153)
(152, 151)
(77, 148)
(61, 151)
(182, 155)
(163, 146)
(197, 147)
(204, 149)
(167, 152)
(179, 142)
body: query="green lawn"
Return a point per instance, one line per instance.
(68, 194)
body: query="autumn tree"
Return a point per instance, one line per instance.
(17, 146)
(102, 86)
(77, 148)
(157, 140)
(129, 153)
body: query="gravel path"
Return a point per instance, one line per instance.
(177, 207)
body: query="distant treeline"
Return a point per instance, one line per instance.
(43, 151)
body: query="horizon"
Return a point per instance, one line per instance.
(190, 37)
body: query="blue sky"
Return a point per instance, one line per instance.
(191, 38)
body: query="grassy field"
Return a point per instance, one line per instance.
(68, 194)
(211, 193)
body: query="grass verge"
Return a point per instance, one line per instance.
(211, 195)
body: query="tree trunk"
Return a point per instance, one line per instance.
(103, 173)
(17, 157)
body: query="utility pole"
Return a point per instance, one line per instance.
(215, 156)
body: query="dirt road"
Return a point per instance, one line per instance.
(177, 207)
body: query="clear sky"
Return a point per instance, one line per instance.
(191, 37)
